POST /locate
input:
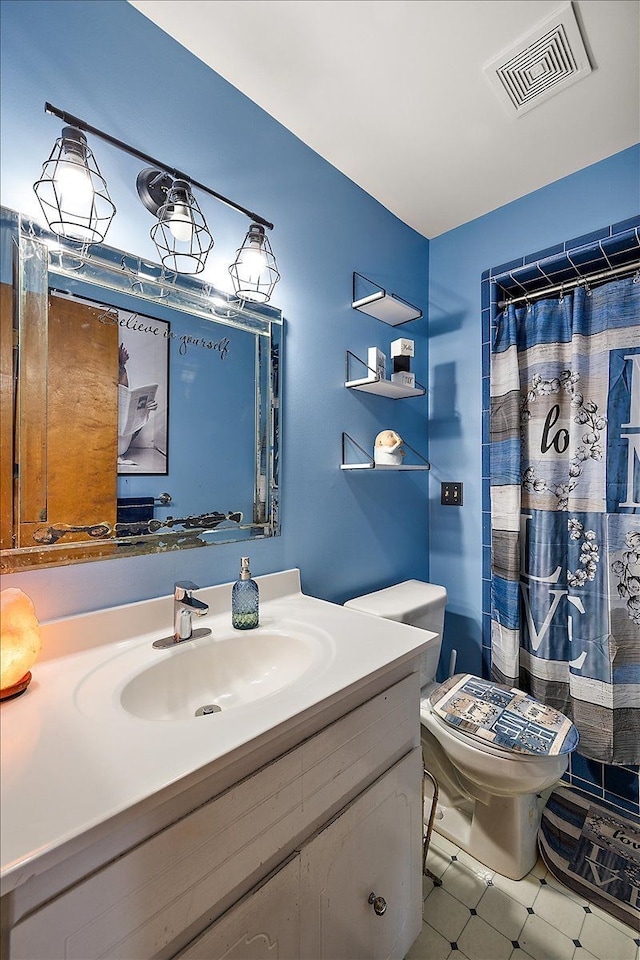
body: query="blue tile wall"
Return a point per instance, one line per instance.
(616, 787)
(587, 238)
(543, 254)
(624, 225)
(592, 252)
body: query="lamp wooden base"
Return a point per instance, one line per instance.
(16, 688)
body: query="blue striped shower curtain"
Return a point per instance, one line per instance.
(565, 510)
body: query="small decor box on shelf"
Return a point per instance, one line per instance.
(402, 348)
(401, 353)
(404, 378)
(377, 364)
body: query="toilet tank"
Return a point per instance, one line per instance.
(414, 602)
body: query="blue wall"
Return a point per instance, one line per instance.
(601, 194)
(105, 62)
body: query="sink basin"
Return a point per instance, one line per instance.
(218, 673)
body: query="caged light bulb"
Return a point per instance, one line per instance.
(254, 260)
(254, 272)
(177, 214)
(180, 222)
(75, 188)
(72, 192)
(73, 184)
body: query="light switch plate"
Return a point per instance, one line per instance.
(451, 494)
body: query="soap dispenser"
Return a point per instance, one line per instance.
(245, 599)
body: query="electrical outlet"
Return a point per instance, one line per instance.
(451, 494)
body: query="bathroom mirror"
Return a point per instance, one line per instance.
(140, 409)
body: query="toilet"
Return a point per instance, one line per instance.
(493, 751)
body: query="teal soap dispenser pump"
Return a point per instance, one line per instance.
(245, 599)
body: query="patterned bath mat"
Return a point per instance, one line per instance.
(594, 852)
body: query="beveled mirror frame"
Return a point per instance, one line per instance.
(39, 261)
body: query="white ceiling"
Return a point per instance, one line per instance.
(392, 92)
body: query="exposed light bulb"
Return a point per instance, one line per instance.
(254, 261)
(75, 188)
(178, 213)
(180, 222)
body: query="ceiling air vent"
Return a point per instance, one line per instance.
(541, 64)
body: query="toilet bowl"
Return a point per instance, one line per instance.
(495, 753)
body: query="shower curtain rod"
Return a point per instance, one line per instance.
(571, 284)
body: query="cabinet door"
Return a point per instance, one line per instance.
(373, 847)
(264, 925)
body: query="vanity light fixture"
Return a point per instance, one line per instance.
(181, 234)
(254, 272)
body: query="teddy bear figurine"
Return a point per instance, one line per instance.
(388, 449)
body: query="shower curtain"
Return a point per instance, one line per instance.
(565, 510)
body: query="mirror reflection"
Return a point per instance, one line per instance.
(140, 409)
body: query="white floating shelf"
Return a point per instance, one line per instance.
(369, 463)
(385, 388)
(388, 308)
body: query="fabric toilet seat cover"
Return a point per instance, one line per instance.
(504, 716)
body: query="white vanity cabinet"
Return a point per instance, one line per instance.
(279, 864)
(319, 904)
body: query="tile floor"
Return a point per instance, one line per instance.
(479, 915)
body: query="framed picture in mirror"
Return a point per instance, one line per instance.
(143, 377)
(143, 394)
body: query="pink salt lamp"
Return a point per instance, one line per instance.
(19, 641)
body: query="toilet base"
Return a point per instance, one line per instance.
(502, 834)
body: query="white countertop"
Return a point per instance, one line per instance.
(73, 758)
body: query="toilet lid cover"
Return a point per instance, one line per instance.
(504, 716)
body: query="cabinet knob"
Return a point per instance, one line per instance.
(379, 904)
